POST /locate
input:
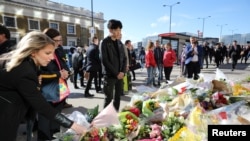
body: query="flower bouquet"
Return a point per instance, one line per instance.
(129, 121)
(96, 134)
(171, 125)
(149, 106)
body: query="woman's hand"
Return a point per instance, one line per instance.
(64, 74)
(79, 129)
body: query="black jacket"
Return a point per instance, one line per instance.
(113, 60)
(5, 47)
(93, 62)
(19, 91)
(158, 54)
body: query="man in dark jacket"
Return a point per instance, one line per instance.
(114, 64)
(158, 54)
(93, 65)
(5, 45)
(234, 53)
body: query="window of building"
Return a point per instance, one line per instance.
(71, 41)
(9, 21)
(71, 29)
(54, 25)
(34, 24)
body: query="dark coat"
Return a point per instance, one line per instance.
(235, 53)
(93, 59)
(5, 47)
(113, 59)
(19, 91)
(158, 54)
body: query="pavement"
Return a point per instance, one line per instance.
(81, 104)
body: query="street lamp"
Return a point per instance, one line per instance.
(203, 23)
(170, 17)
(221, 26)
(92, 14)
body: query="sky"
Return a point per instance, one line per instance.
(142, 18)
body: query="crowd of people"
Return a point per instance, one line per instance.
(39, 59)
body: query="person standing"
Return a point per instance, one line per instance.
(183, 58)
(93, 65)
(50, 73)
(169, 58)
(77, 64)
(206, 49)
(114, 64)
(5, 44)
(193, 58)
(19, 85)
(218, 54)
(150, 64)
(142, 57)
(158, 55)
(131, 57)
(234, 54)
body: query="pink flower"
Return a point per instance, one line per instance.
(152, 134)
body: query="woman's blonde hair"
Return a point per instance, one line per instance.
(31, 42)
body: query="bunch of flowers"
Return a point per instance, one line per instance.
(136, 111)
(96, 134)
(129, 121)
(171, 125)
(184, 134)
(149, 106)
(155, 132)
(219, 100)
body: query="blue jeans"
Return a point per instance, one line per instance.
(151, 73)
(160, 75)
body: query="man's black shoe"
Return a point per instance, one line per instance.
(99, 90)
(88, 95)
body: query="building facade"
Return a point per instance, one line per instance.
(241, 39)
(74, 23)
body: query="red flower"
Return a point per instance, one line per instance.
(135, 111)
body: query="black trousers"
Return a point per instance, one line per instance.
(167, 72)
(46, 128)
(193, 69)
(113, 88)
(76, 72)
(206, 60)
(11, 116)
(92, 74)
(234, 61)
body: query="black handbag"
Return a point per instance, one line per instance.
(135, 67)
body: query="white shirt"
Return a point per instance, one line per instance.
(195, 57)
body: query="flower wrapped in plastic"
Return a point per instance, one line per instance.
(171, 125)
(106, 117)
(185, 134)
(129, 121)
(96, 134)
(197, 121)
(149, 106)
(101, 122)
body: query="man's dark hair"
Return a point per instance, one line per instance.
(4, 30)
(114, 24)
(127, 41)
(93, 39)
(51, 32)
